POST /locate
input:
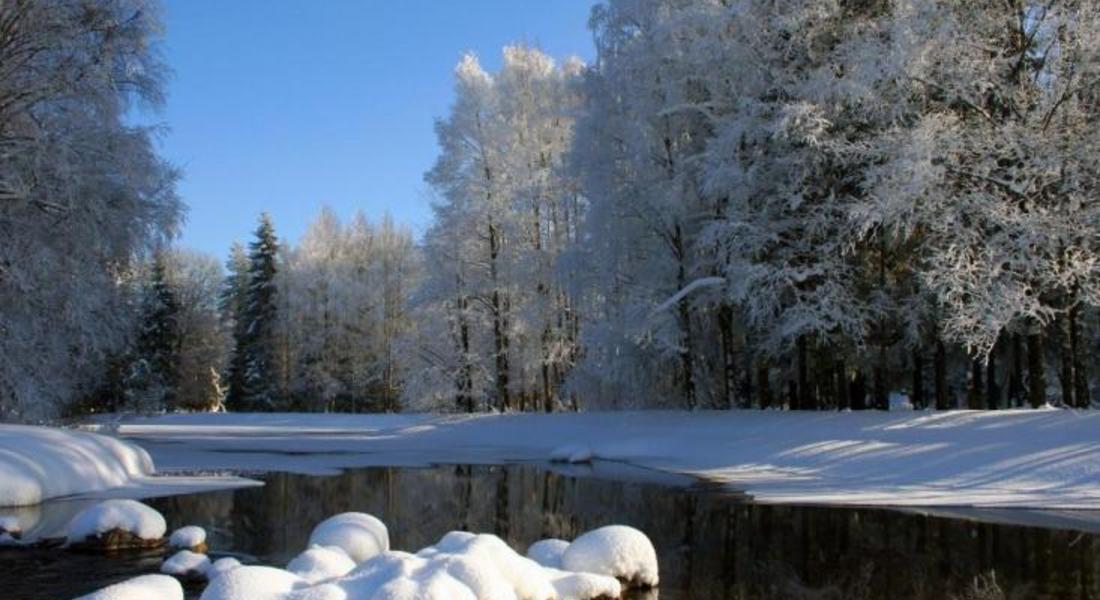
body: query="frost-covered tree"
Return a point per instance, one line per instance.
(82, 191)
(196, 280)
(508, 208)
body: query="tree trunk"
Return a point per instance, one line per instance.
(940, 368)
(763, 387)
(1065, 359)
(992, 388)
(1036, 384)
(858, 400)
(500, 333)
(975, 399)
(729, 356)
(1080, 373)
(1016, 375)
(918, 378)
(803, 400)
(687, 351)
(843, 394)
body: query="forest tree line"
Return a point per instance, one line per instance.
(737, 204)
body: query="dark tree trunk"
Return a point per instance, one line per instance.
(804, 401)
(1065, 360)
(940, 368)
(992, 388)
(975, 399)
(918, 378)
(1016, 374)
(859, 392)
(1037, 383)
(729, 355)
(500, 328)
(1080, 373)
(763, 387)
(843, 394)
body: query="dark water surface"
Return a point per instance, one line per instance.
(710, 545)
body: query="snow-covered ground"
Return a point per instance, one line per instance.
(1021, 458)
(41, 463)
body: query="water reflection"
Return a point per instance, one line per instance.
(710, 546)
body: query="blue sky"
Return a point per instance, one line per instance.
(287, 105)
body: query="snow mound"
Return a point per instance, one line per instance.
(146, 587)
(616, 550)
(221, 566)
(359, 535)
(187, 538)
(572, 453)
(130, 516)
(252, 583)
(39, 463)
(186, 563)
(584, 586)
(548, 552)
(321, 563)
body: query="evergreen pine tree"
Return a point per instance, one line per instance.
(153, 375)
(259, 391)
(234, 301)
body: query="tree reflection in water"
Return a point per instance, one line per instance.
(710, 545)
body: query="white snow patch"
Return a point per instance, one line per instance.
(146, 587)
(252, 583)
(548, 552)
(186, 562)
(572, 453)
(899, 401)
(1018, 458)
(617, 551)
(186, 538)
(359, 535)
(320, 563)
(128, 515)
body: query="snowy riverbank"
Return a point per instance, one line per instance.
(1021, 458)
(42, 463)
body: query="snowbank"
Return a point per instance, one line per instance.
(39, 463)
(129, 516)
(188, 538)
(146, 587)
(1013, 458)
(320, 563)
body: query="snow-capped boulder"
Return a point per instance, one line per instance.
(186, 564)
(146, 587)
(252, 583)
(584, 586)
(321, 563)
(360, 535)
(548, 552)
(116, 525)
(572, 453)
(191, 538)
(222, 565)
(617, 551)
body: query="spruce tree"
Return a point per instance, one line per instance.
(153, 374)
(234, 301)
(259, 390)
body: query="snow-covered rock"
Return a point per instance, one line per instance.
(222, 565)
(191, 537)
(320, 563)
(572, 453)
(128, 516)
(186, 564)
(146, 587)
(616, 550)
(359, 535)
(548, 552)
(583, 586)
(252, 583)
(39, 463)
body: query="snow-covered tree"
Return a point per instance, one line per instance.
(82, 191)
(255, 341)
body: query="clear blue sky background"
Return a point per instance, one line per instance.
(287, 105)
